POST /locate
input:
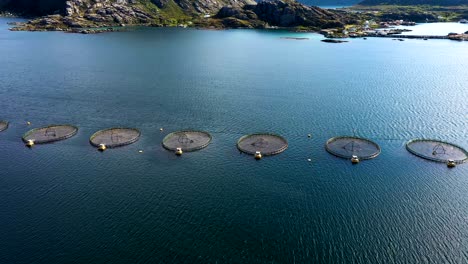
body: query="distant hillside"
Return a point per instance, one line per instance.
(415, 2)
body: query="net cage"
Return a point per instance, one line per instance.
(436, 150)
(347, 147)
(187, 140)
(267, 144)
(115, 137)
(50, 133)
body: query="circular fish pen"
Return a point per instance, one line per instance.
(50, 134)
(436, 150)
(347, 147)
(115, 137)
(3, 125)
(186, 140)
(266, 144)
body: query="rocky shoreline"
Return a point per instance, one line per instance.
(106, 15)
(99, 16)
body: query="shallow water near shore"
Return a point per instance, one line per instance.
(66, 202)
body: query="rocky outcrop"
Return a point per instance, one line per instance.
(105, 9)
(160, 3)
(283, 14)
(211, 6)
(292, 13)
(95, 13)
(229, 14)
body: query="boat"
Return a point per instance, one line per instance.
(464, 21)
(102, 147)
(30, 143)
(451, 163)
(179, 151)
(258, 155)
(354, 159)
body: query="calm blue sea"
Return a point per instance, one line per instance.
(67, 203)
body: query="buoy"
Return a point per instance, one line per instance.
(102, 147)
(258, 155)
(161, 129)
(309, 160)
(309, 135)
(140, 151)
(30, 143)
(179, 151)
(451, 163)
(354, 159)
(28, 123)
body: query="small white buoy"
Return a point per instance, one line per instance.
(309, 160)
(102, 147)
(161, 129)
(309, 135)
(28, 123)
(30, 143)
(258, 155)
(179, 151)
(354, 159)
(140, 151)
(451, 163)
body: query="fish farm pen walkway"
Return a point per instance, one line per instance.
(257, 144)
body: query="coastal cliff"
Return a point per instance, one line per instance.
(280, 14)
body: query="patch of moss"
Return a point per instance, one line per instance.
(174, 12)
(148, 6)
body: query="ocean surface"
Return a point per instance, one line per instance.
(68, 203)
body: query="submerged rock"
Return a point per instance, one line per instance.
(293, 38)
(334, 41)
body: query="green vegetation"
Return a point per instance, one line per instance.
(174, 13)
(171, 14)
(148, 6)
(417, 13)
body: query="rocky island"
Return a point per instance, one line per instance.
(95, 16)
(102, 15)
